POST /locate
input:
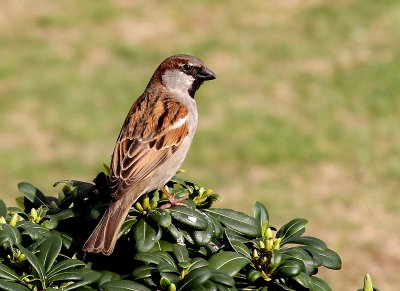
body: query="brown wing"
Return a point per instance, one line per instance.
(149, 137)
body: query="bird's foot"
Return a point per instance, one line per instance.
(172, 200)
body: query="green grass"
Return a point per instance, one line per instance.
(304, 114)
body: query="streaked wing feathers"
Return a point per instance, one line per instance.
(148, 139)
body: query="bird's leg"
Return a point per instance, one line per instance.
(172, 199)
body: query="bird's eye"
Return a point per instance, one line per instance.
(186, 68)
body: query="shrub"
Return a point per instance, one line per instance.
(197, 247)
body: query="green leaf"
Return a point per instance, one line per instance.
(198, 263)
(172, 278)
(7, 273)
(65, 265)
(66, 275)
(145, 236)
(3, 209)
(33, 194)
(124, 285)
(66, 239)
(161, 217)
(165, 267)
(176, 234)
(181, 253)
(189, 217)
(9, 234)
(310, 241)
(35, 263)
(290, 268)
(143, 272)
(89, 277)
(34, 230)
(194, 279)
(241, 248)
(228, 262)
(304, 280)
(147, 257)
(49, 250)
(330, 259)
(202, 237)
(320, 285)
(222, 278)
(166, 257)
(162, 245)
(291, 230)
(207, 286)
(232, 235)
(253, 275)
(261, 213)
(127, 225)
(63, 214)
(237, 221)
(216, 226)
(301, 255)
(107, 276)
(11, 286)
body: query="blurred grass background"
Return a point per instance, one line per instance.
(303, 117)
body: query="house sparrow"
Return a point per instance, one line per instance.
(153, 142)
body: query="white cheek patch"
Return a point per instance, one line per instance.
(177, 80)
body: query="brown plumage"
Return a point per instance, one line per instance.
(153, 142)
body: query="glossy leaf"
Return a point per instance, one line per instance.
(7, 273)
(260, 213)
(222, 278)
(253, 275)
(65, 265)
(165, 267)
(148, 257)
(232, 235)
(176, 234)
(301, 255)
(66, 275)
(188, 217)
(305, 281)
(124, 285)
(228, 262)
(202, 237)
(194, 279)
(198, 263)
(241, 248)
(35, 231)
(330, 259)
(290, 268)
(320, 285)
(35, 263)
(89, 277)
(107, 276)
(161, 217)
(145, 236)
(181, 253)
(292, 229)
(9, 234)
(49, 250)
(309, 241)
(11, 286)
(237, 221)
(143, 271)
(33, 194)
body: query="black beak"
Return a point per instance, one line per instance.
(205, 74)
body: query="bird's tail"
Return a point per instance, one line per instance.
(104, 237)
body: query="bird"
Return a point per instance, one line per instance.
(153, 142)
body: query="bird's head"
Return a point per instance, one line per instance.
(183, 74)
